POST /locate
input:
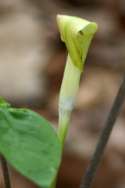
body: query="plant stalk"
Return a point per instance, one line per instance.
(104, 137)
(5, 170)
(68, 91)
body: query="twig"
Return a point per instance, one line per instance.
(5, 172)
(104, 137)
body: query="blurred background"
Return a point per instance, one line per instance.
(32, 61)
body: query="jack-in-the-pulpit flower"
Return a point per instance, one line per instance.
(77, 34)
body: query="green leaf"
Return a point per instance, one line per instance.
(30, 144)
(77, 34)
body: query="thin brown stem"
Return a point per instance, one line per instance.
(5, 172)
(104, 137)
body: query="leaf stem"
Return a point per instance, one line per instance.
(104, 137)
(5, 172)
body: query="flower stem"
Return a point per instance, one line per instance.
(5, 172)
(104, 137)
(69, 88)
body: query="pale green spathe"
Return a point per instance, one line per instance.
(77, 34)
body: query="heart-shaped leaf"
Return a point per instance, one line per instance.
(30, 144)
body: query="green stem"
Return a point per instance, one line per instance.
(69, 88)
(63, 128)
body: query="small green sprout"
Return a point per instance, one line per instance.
(28, 141)
(77, 34)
